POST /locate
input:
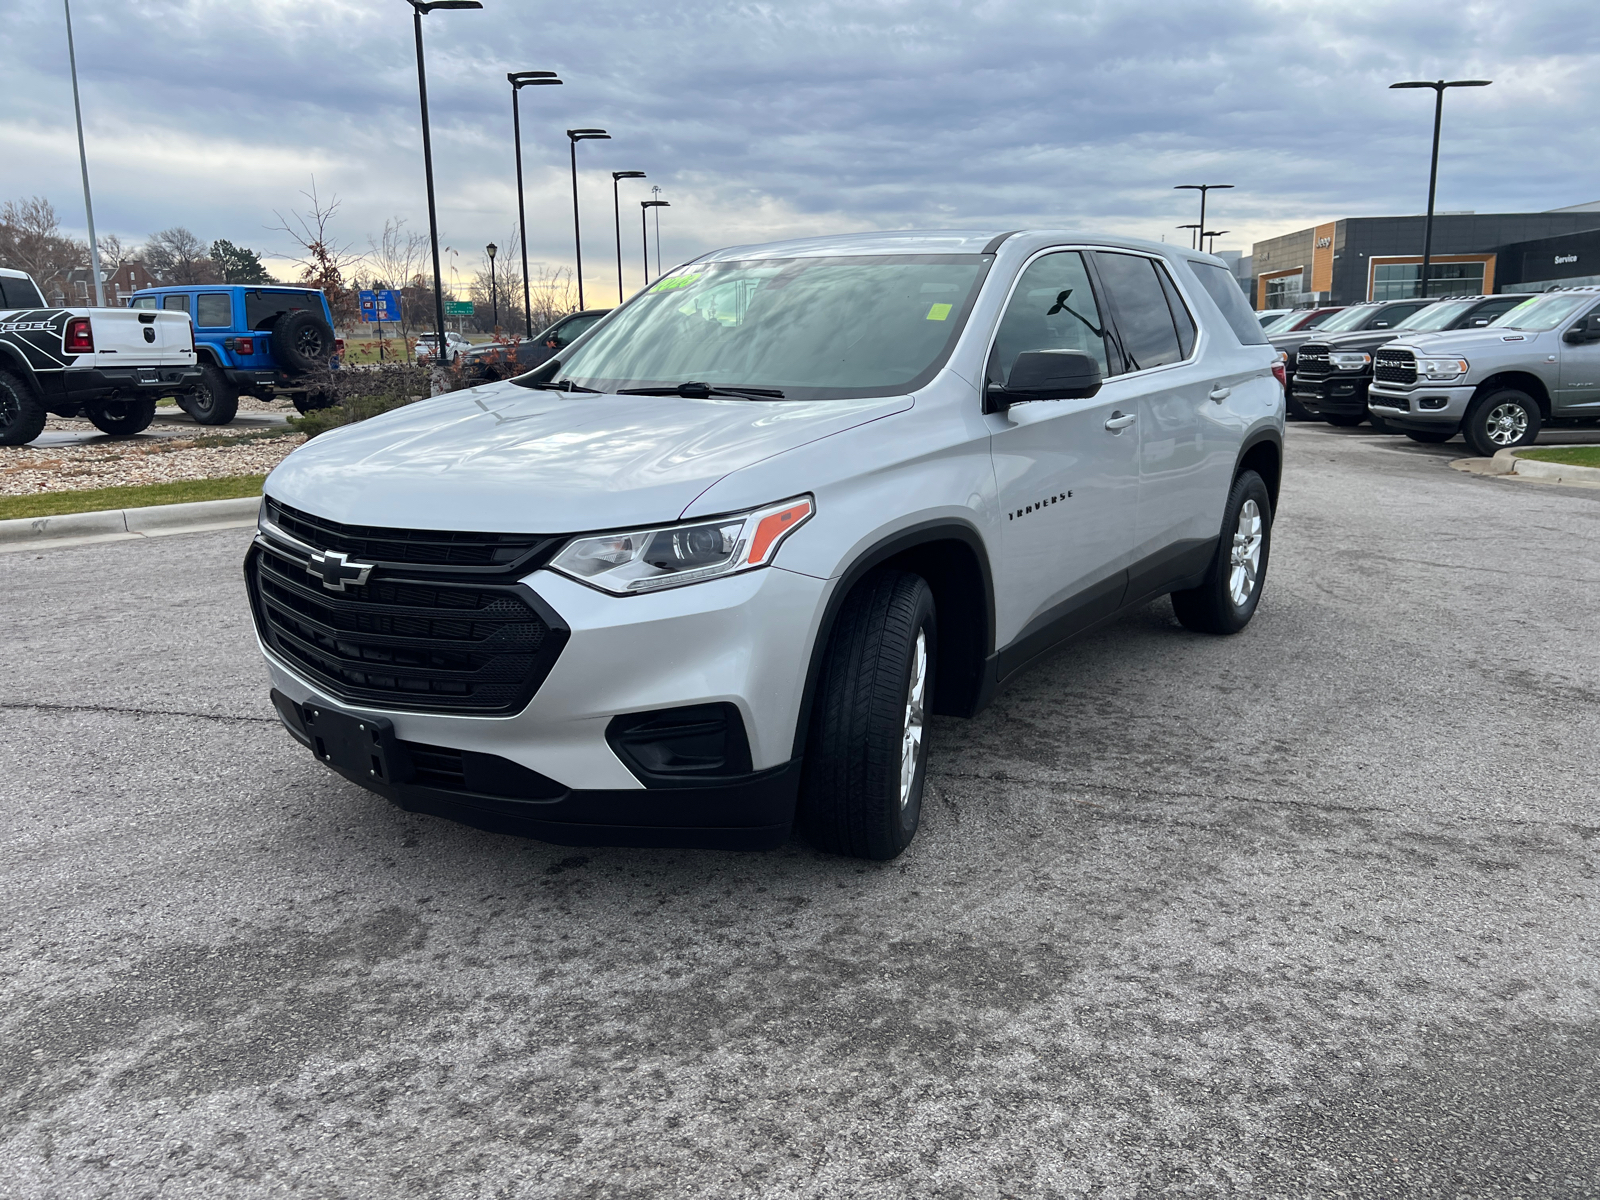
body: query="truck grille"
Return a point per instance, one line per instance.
(409, 638)
(1312, 361)
(1394, 366)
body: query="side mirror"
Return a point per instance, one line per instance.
(1045, 375)
(1586, 330)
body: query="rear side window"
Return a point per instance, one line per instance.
(175, 303)
(19, 293)
(1181, 317)
(142, 302)
(261, 309)
(1224, 290)
(213, 310)
(1144, 321)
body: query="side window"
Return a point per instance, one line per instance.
(1491, 310)
(1181, 317)
(570, 331)
(1224, 290)
(142, 302)
(1144, 321)
(213, 310)
(174, 303)
(1390, 317)
(1052, 308)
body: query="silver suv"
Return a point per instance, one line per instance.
(1537, 365)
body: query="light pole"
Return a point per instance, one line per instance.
(518, 81)
(83, 161)
(1202, 188)
(575, 136)
(1214, 234)
(1438, 87)
(644, 233)
(616, 209)
(419, 9)
(655, 192)
(1192, 245)
(494, 296)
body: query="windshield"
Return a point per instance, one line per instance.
(1434, 316)
(1544, 312)
(1340, 322)
(1280, 324)
(810, 328)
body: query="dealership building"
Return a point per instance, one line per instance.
(1380, 258)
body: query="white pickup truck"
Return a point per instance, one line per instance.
(108, 364)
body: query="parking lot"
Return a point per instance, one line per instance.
(1305, 912)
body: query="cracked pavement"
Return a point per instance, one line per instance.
(1307, 912)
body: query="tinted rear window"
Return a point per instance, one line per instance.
(1221, 286)
(175, 303)
(19, 293)
(213, 310)
(263, 308)
(1144, 322)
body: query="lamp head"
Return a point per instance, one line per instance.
(655, 204)
(522, 79)
(491, 248)
(585, 135)
(427, 6)
(627, 175)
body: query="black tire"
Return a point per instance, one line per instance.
(215, 401)
(1344, 420)
(1379, 425)
(1501, 420)
(1211, 608)
(302, 342)
(121, 416)
(21, 412)
(850, 797)
(305, 402)
(1430, 437)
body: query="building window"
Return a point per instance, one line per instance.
(1399, 281)
(1285, 290)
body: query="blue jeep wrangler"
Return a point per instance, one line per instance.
(254, 340)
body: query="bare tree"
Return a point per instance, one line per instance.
(324, 261)
(31, 241)
(113, 254)
(396, 259)
(177, 255)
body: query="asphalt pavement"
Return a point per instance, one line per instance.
(1306, 912)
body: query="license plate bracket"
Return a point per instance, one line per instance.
(363, 749)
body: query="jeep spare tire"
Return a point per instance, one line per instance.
(302, 342)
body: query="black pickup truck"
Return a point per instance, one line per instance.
(1334, 369)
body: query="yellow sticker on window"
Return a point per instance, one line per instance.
(676, 281)
(939, 312)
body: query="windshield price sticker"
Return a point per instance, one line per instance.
(676, 281)
(939, 312)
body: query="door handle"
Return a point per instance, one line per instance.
(1220, 393)
(1116, 423)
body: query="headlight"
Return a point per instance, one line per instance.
(646, 560)
(1442, 368)
(1349, 361)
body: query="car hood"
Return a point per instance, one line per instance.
(507, 459)
(1466, 342)
(1291, 341)
(1358, 339)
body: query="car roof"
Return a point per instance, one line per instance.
(937, 241)
(244, 287)
(8, 273)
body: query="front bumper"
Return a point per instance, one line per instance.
(93, 382)
(1339, 394)
(1424, 407)
(743, 641)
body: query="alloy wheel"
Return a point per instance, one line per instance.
(911, 736)
(1245, 562)
(1506, 424)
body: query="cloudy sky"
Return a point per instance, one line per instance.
(762, 120)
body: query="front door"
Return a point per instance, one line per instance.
(1067, 471)
(1579, 392)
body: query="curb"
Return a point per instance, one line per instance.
(121, 524)
(1507, 465)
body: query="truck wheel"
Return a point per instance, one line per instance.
(1500, 421)
(21, 414)
(1343, 420)
(867, 754)
(1430, 437)
(120, 416)
(215, 401)
(1227, 598)
(302, 341)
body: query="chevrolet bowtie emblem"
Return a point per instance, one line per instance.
(335, 570)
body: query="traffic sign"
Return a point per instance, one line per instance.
(458, 308)
(380, 305)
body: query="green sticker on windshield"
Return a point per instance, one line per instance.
(676, 281)
(939, 312)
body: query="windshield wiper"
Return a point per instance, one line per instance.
(700, 391)
(561, 385)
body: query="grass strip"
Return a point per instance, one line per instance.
(1572, 456)
(54, 504)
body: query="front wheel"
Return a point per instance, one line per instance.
(1344, 420)
(867, 753)
(121, 417)
(1227, 598)
(1501, 420)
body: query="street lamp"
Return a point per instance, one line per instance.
(616, 211)
(1214, 234)
(419, 9)
(575, 136)
(644, 233)
(1192, 245)
(83, 161)
(1438, 87)
(518, 81)
(1202, 188)
(494, 296)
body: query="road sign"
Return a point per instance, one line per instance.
(380, 305)
(458, 308)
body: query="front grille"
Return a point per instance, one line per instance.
(1312, 362)
(436, 766)
(1394, 366)
(421, 547)
(1402, 403)
(409, 638)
